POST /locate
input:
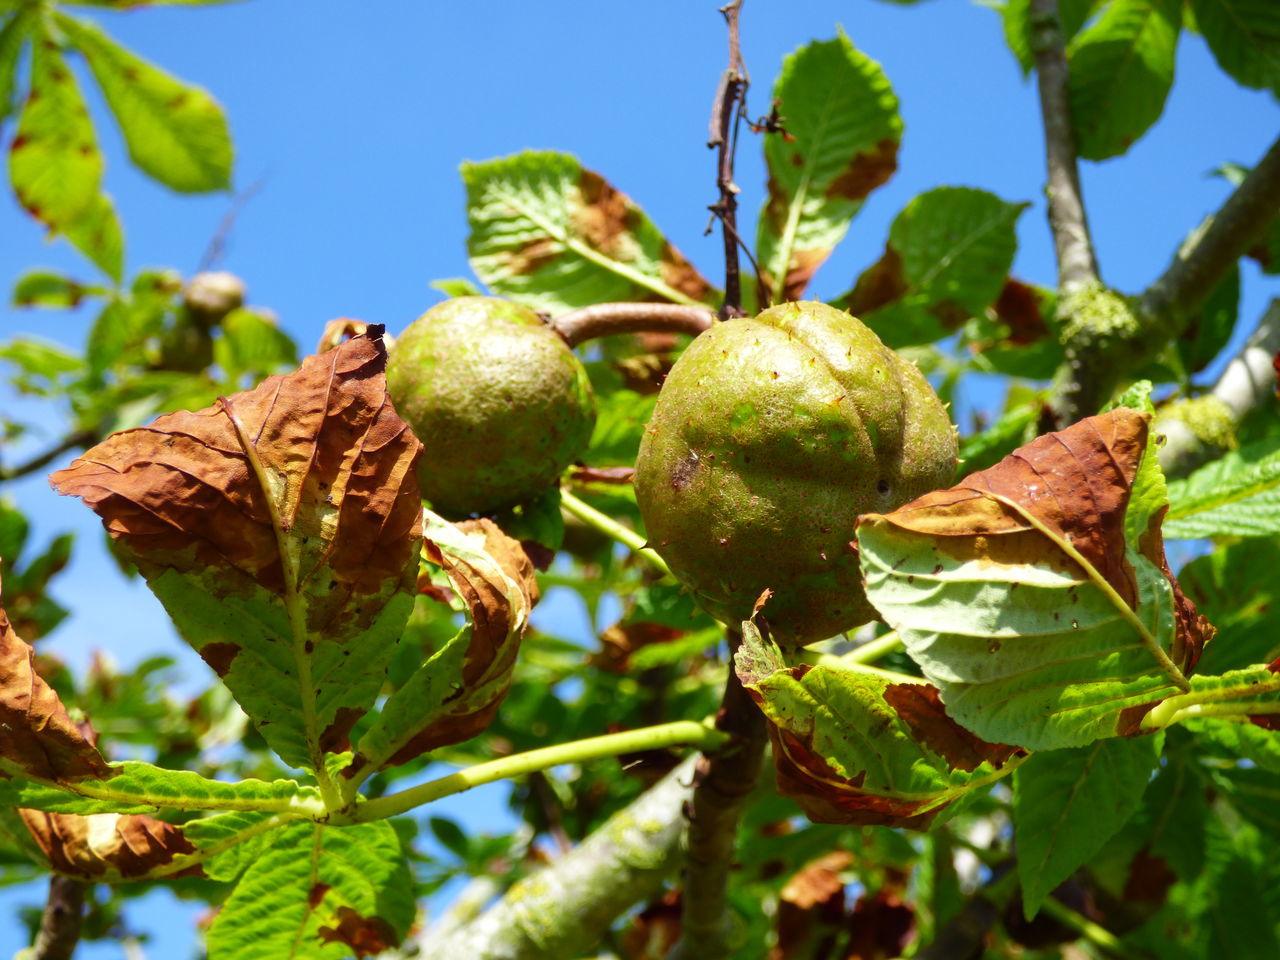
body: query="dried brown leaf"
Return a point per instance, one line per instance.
(108, 845)
(36, 732)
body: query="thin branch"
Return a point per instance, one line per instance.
(1234, 229)
(1077, 263)
(613, 529)
(608, 319)
(1098, 360)
(726, 113)
(563, 910)
(676, 733)
(725, 780)
(1248, 382)
(61, 920)
(217, 247)
(81, 438)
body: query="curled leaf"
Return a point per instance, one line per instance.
(108, 846)
(854, 747)
(455, 694)
(1035, 594)
(280, 529)
(37, 735)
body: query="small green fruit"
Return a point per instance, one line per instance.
(771, 436)
(499, 400)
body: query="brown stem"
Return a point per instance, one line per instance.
(607, 319)
(724, 782)
(82, 438)
(1077, 263)
(725, 114)
(60, 923)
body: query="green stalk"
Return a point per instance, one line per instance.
(875, 649)
(1099, 936)
(678, 733)
(613, 529)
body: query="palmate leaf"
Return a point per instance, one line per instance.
(856, 748)
(318, 893)
(55, 165)
(1035, 594)
(841, 143)
(947, 259)
(1237, 589)
(1237, 495)
(1121, 69)
(1244, 36)
(548, 233)
(280, 530)
(454, 694)
(1068, 803)
(175, 132)
(98, 235)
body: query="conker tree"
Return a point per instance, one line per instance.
(880, 686)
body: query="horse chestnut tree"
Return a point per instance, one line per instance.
(857, 684)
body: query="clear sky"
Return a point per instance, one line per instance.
(353, 118)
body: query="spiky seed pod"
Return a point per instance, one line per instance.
(771, 436)
(500, 402)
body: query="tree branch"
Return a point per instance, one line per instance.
(608, 319)
(565, 908)
(724, 782)
(60, 923)
(725, 113)
(79, 439)
(1248, 381)
(1103, 345)
(1077, 263)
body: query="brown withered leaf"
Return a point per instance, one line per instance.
(852, 747)
(1053, 618)
(655, 930)
(339, 330)
(880, 927)
(811, 909)
(106, 846)
(36, 732)
(620, 641)
(365, 936)
(280, 529)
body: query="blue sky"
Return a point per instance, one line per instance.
(353, 119)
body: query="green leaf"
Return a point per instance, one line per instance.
(949, 252)
(1033, 595)
(456, 287)
(137, 787)
(451, 837)
(1236, 587)
(1255, 793)
(621, 417)
(252, 345)
(12, 36)
(1068, 803)
(1018, 334)
(230, 842)
(1244, 36)
(289, 556)
(13, 533)
(1121, 70)
(855, 747)
(1017, 25)
(97, 233)
(548, 233)
(1236, 495)
(841, 142)
(314, 893)
(55, 165)
(46, 288)
(175, 132)
(1245, 741)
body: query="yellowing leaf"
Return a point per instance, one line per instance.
(1035, 594)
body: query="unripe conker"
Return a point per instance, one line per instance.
(499, 400)
(770, 437)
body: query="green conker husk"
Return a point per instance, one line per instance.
(498, 399)
(770, 437)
